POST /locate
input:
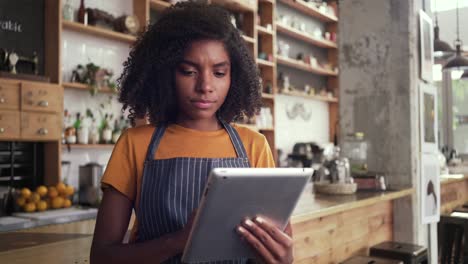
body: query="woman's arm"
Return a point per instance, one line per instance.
(111, 226)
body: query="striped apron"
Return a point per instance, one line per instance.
(172, 188)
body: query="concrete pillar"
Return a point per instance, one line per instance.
(379, 77)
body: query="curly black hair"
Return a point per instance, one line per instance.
(147, 84)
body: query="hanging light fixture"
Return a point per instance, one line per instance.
(457, 62)
(442, 49)
(464, 75)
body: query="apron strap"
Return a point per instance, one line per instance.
(235, 139)
(155, 139)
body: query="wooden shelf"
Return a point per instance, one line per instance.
(98, 32)
(292, 32)
(249, 39)
(265, 63)
(81, 86)
(236, 5)
(264, 31)
(268, 96)
(309, 10)
(304, 67)
(312, 97)
(159, 5)
(88, 146)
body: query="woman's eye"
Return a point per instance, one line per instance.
(188, 72)
(220, 74)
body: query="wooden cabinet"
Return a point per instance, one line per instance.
(9, 125)
(9, 95)
(40, 126)
(30, 110)
(43, 98)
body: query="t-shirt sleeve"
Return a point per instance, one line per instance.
(121, 171)
(264, 157)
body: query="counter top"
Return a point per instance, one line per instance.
(30, 220)
(313, 206)
(451, 178)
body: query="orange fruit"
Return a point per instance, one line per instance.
(48, 202)
(41, 206)
(61, 188)
(42, 190)
(25, 192)
(67, 203)
(57, 202)
(69, 190)
(30, 207)
(21, 201)
(53, 192)
(35, 197)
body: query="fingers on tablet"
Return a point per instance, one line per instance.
(248, 234)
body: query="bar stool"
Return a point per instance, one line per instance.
(408, 253)
(370, 260)
(453, 238)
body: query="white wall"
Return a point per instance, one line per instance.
(81, 49)
(289, 131)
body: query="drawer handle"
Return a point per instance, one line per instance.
(43, 131)
(43, 103)
(2, 130)
(2, 100)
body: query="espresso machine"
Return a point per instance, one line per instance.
(90, 193)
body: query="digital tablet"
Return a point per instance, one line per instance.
(233, 194)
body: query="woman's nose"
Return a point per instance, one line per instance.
(205, 83)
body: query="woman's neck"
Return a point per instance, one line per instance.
(202, 125)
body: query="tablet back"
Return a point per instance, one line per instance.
(233, 194)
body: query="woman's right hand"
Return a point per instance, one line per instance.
(182, 235)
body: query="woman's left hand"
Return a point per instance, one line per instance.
(271, 244)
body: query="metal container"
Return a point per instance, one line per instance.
(90, 193)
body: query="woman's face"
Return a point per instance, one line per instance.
(202, 80)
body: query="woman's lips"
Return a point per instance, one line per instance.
(202, 104)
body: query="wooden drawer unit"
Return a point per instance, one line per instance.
(40, 126)
(9, 95)
(9, 124)
(41, 97)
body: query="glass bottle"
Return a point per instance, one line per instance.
(116, 132)
(82, 14)
(106, 131)
(67, 11)
(94, 133)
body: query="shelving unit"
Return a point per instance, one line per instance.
(264, 31)
(88, 146)
(304, 67)
(159, 5)
(81, 86)
(265, 63)
(294, 33)
(305, 8)
(311, 10)
(312, 97)
(98, 32)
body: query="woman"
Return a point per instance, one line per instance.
(192, 74)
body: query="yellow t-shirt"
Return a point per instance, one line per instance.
(125, 168)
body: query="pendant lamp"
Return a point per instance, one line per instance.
(457, 62)
(442, 49)
(464, 75)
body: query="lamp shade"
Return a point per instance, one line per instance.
(457, 62)
(441, 48)
(464, 75)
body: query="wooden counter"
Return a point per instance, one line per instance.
(331, 228)
(454, 192)
(327, 229)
